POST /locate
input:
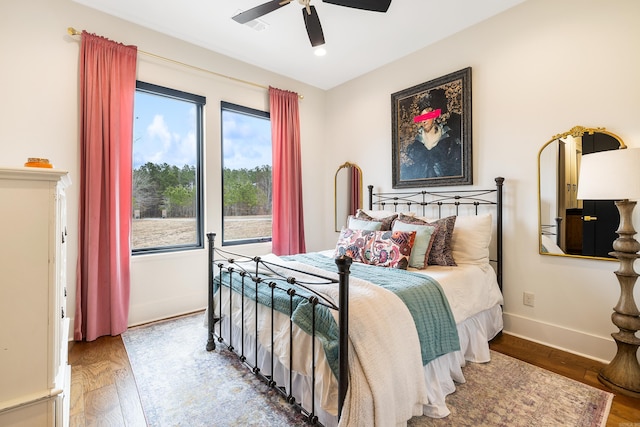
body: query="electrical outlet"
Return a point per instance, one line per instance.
(529, 299)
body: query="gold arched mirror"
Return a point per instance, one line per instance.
(569, 226)
(347, 193)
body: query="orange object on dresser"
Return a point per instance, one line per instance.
(35, 162)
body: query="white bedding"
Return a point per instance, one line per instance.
(470, 288)
(475, 301)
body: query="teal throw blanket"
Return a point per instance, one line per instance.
(422, 295)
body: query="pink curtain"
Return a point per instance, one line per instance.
(107, 88)
(288, 223)
(356, 193)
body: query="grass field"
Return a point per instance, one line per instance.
(152, 232)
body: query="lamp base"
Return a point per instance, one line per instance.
(622, 374)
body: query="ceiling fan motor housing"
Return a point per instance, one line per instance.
(310, 16)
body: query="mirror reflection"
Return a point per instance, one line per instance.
(347, 193)
(569, 226)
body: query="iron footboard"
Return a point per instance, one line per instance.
(246, 277)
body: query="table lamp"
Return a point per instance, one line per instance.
(615, 175)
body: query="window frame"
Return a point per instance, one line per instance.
(199, 102)
(228, 106)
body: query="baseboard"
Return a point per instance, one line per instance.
(569, 340)
(164, 308)
(159, 309)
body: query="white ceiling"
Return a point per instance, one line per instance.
(357, 41)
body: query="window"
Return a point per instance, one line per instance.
(167, 172)
(246, 175)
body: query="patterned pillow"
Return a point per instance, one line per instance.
(382, 248)
(351, 243)
(386, 220)
(441, 249)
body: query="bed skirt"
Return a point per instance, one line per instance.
(441, 374)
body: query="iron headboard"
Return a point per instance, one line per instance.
(423, 199)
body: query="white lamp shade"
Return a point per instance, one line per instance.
(610, 175)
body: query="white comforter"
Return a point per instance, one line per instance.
(375, 318)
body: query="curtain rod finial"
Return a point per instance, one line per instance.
(72, 31)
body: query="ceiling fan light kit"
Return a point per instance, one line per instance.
(309, 14)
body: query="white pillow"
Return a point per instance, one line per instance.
(471, 238)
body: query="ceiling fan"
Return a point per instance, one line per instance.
(309, 14)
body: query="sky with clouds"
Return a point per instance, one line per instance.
(247, 140)
(165, 132)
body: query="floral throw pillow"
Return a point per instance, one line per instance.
(382, 248)
(351, 243)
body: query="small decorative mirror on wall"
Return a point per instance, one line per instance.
(569, 226)
(347, 193)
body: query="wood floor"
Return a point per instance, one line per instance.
(103, 390)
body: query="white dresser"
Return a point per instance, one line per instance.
(34, 329)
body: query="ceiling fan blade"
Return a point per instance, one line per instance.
(258, 11)
(314, 29)
(372, 5)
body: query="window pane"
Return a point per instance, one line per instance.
(246, 175)
(166, 170)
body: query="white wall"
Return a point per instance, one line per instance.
(39, 114)
(537, 70)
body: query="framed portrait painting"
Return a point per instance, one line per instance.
(431, 133)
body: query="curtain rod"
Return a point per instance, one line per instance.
(73, 32)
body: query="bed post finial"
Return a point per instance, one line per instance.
(343, 263)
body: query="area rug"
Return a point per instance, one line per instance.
(182, 384)
(511, 393)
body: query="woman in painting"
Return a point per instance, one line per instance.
(436, 151)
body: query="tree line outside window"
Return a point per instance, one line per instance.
(163, 190)
(247, 191)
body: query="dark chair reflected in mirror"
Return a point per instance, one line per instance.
(347, 193)
(569, 226)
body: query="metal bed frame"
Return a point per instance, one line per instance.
(292, 287)
(422, 199)
(221, 272)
